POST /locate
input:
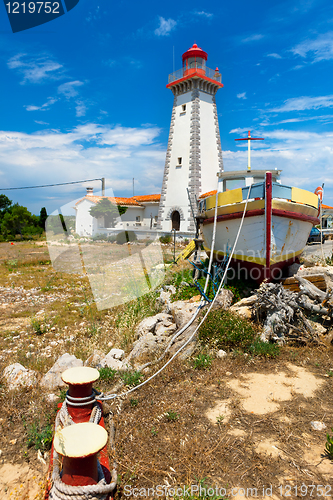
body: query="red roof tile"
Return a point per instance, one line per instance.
(210, 193)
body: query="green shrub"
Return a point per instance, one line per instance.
(202, 361)
(39, 436)
(166, 238)
(222, 330)
(125, 237)
(172, 416)
(131, 378)
(260, 348)
(106, 373)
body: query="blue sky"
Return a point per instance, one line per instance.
(84, 96)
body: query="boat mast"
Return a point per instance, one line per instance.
(249, 139)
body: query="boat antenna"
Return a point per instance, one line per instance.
(249, 139)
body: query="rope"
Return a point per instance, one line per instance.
(103, 397)
(62, 491)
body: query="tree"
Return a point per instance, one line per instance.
(110, 211)
(4, 202)
(42, 217)
(15, 220)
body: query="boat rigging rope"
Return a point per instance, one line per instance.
(114, 396)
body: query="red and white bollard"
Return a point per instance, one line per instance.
(79, 445)
(80, 397)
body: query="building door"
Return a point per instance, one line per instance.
(175, 218)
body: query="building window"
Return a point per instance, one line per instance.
(137, 218)
(179, 162)
(183, 107)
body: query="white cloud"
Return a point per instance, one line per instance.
(274, 55)
(80, 108)
(85, 152)
(69, 89)
(242, 95)
(165, 26)
(36, 69)
(305, 102)
(253, 38)
(43, 107)
(204, 14)
(319, 49)
(305, 158)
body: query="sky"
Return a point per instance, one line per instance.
(84, 96)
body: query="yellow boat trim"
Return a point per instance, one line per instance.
(238, 207)
(294, 207)
(226, 198)
(301, 196)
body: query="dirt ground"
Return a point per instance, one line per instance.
(241, 428)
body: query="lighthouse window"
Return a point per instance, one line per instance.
(179, 164)
(183, 107)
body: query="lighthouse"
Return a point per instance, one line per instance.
(194, 154)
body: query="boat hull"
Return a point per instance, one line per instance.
(273, 235)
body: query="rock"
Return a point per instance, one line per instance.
(165, 330)
(221, 354)
(145, 345)
(113, 359)
(247, 301)
(224, 299)
(52, 398)
(171, 289)
(146, 326)
(195, 298)
(52, 379)
(182, 311)
(116, 353)
(16, 375)
(244, 312)
(318, 426)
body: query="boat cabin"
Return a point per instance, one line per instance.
(242, 178)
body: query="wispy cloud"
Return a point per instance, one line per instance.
(274, 55)
(202, 13)
(165, 26)
(305, 102)
(43, 107)
(242, 95)
(69, 89)
(36, 69)
(319, 49)
(253, 38)
(80, 108)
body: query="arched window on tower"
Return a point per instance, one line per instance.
(175, 219)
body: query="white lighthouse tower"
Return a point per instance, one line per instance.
(194, 155)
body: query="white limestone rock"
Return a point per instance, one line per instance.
(16, 375)
(113, 359)
(147, 325)
(94, 359)
(52, 379)
(166, 331)
(224, 299)
(318, 426)
(221, 354)
(182, 311)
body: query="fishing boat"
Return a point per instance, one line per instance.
(277, 221)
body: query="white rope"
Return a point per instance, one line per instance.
(113, 396)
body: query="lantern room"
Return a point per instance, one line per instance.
(194, 60)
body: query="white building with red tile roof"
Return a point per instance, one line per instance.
(141, 215)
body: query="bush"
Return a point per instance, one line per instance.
(202, 361)
(222, 330)
(166, 238)
(225, 330)
(106, 373)
(125, 237)
(39, 436)
(131, 378)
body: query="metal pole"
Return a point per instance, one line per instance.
(103, 186)
(174, 245)
(133, 186)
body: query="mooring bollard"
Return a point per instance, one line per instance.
(79, 445)
(80, 397)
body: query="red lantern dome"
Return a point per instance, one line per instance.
(195, 51)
